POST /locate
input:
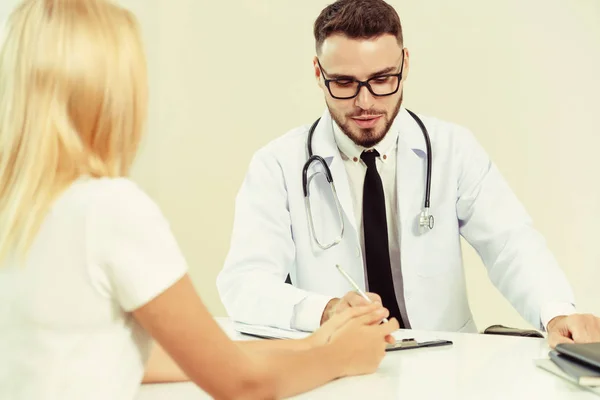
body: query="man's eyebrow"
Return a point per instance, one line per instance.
(374, 74)
(383, 72)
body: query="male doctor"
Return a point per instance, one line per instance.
(377, 155)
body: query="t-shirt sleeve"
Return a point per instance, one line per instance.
(131, 244)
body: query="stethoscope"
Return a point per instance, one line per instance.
(426, 221)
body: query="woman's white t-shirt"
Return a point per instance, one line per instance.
(66, 331)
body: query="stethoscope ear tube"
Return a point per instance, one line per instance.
(310, 135)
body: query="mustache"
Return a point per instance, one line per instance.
(368, 113)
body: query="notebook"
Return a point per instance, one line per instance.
(588, 353)
(581, 373)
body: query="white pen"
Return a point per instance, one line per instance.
(355, 286)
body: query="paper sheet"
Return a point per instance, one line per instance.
(268, 331)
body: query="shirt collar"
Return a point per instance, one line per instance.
(352, 151)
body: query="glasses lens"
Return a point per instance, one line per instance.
(343, 88)
(384, 85)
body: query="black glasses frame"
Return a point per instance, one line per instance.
(362, 83)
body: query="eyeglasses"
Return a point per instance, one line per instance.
(348, 88)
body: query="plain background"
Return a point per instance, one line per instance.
(226, 77)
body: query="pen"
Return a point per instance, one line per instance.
(355, 286)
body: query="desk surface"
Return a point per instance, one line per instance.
(475, 367)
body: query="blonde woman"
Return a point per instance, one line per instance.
(89, 270)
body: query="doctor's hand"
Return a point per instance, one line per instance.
(356, 337)
(575, 328)
(351, 299)
(370, 314)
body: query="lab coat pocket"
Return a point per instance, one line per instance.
(436, 256)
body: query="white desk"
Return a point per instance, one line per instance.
(479, 367)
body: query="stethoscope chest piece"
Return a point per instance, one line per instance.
(426, 221)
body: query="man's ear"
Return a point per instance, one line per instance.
(406, 69)
(318, 72)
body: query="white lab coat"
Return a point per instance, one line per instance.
(469, 197)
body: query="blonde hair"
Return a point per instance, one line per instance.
(73, 101)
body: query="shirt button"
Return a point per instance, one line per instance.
(355, 159)
(385, 156)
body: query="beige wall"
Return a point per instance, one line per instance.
(228, 76)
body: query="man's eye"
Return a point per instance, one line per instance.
(344, 82)
(382, 79)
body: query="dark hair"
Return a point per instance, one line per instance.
(357, 19)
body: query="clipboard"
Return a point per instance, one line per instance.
(411, 343)
(267, 332)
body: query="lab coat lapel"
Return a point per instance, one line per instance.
(325, 146)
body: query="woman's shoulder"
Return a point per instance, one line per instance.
(109, 197)
(107, 189)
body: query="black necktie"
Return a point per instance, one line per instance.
(379, 270)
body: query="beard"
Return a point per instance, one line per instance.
(367, 137)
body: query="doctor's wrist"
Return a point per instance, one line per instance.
(556, 320)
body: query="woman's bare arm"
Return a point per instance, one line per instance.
(184, 328)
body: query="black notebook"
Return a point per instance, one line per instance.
(587, 353)
(580, 373)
